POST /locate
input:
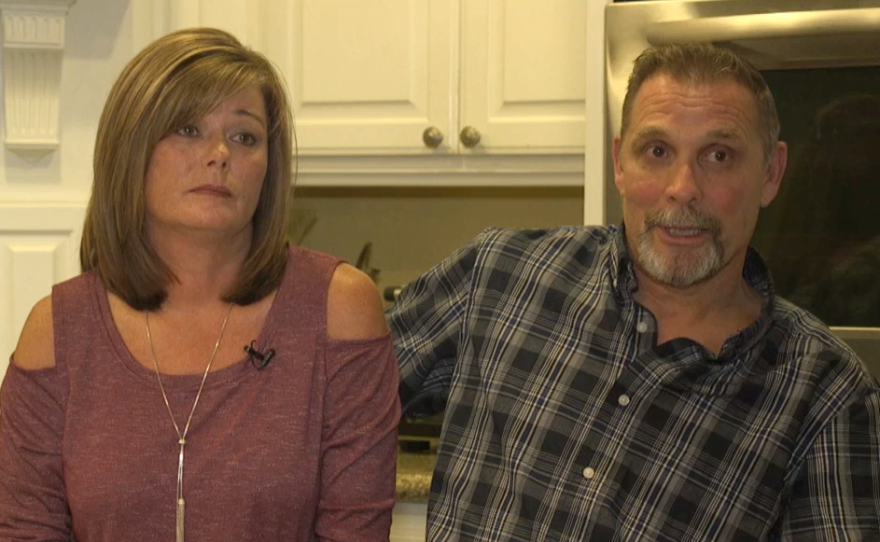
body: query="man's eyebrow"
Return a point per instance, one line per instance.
(245, 112)
(654, 132)
(646, 134)
(725, 135)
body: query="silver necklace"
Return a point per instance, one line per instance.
(181, 437)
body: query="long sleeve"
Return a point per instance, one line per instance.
(32, 493)
(359, 442)
(426, 322)
(836, 496)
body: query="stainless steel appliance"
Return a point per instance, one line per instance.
(821, 59)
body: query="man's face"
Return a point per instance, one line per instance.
(692, 174)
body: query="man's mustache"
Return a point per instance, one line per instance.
(686, 218)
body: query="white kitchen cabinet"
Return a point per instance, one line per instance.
(523, 81)
(367, 79)
(370, 78)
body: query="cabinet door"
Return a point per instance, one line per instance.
(523, 84)
(365, 77)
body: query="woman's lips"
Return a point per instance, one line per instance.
(212, 190)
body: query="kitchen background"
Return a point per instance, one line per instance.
(420, 122)
(411, 229)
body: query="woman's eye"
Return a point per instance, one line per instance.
(246, 138)
(188, 131)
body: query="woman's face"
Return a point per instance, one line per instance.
(205, 178)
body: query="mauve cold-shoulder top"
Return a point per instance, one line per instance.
(303, 449)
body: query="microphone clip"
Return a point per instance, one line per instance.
(258, 359)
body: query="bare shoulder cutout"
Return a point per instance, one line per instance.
(354, 309)
(36, 345)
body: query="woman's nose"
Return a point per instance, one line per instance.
(218, 153)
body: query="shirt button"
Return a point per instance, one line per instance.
(641, 327)
(623, 400)
(589, 473)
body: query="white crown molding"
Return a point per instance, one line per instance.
(33, 47)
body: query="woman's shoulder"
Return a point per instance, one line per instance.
(354, 308)
(36, 345)
(302, 258)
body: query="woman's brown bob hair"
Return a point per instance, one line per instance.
(177, 79)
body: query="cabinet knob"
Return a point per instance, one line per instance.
(432, 136)
(470, 137)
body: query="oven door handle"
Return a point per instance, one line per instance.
(758, 26)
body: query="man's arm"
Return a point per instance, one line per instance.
(836, 496)
(426, 324)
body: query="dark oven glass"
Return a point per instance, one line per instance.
(821, 236)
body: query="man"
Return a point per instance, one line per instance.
(644, 383)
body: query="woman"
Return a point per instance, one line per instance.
(130, 410)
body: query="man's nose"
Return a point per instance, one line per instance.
(683, 187)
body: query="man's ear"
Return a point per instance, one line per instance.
(774, 173)
(618, 169)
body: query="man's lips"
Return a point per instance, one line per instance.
(680, 231)
(683, 235)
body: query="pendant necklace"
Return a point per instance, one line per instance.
(181, 437)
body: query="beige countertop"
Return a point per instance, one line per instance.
(414, 475)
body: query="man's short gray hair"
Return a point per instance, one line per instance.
(704, 63)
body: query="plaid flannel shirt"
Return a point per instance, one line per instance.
(564, 420)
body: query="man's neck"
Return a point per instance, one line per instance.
(707, 312)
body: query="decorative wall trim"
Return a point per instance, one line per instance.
(39, 247)
(33, 47)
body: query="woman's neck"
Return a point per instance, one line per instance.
(206, 268)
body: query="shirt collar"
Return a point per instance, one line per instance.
(755, 272)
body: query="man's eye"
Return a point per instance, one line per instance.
(189, 131)
(718, 156)
(657, 152)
